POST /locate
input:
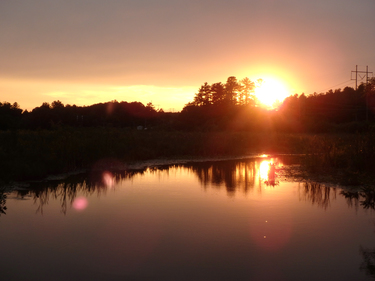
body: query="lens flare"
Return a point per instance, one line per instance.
(80, 203)
(108, 179)
(273, 235)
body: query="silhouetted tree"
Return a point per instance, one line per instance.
(10, 116)
(232, 89)
(247, 92)
(57, 104)
(218, 93)
(203, 97)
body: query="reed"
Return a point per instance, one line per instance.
(36, 154)
(348, 156)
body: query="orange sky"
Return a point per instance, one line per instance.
(85, 52)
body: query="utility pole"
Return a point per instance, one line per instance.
(358, 73)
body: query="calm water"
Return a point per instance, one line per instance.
(202, 221)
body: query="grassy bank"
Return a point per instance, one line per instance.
(346, 157)
(36, 154)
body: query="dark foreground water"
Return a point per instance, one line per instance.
(222, 220)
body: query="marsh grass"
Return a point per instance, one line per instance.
(36, 154)
(347, 157)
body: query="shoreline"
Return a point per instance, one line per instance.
(288, 172)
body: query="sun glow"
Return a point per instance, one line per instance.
(263, 169)
(270, 92)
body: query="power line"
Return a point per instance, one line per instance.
(330, 88)
(363, 75)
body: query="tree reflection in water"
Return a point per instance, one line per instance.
(234, 175)
(66, 190)
(366, 199)
(368, 264)
(320, 194)
(317, 193)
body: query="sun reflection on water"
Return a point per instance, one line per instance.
(264, 169)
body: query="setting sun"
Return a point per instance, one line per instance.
(270, 91)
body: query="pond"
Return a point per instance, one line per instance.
(214, 220)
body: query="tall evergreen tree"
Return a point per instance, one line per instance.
(232, 89)
(218, 93)
(247, 92)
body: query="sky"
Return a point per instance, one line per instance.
(161, 51)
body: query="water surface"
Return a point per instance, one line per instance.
(224, 220)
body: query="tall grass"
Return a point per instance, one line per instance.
(36, 154)
(349, 156)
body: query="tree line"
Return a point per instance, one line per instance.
(56, 114)
(237, 108)
(221, 106)
(233, 92)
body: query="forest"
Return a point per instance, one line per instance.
(229, 106)
(335, 130)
